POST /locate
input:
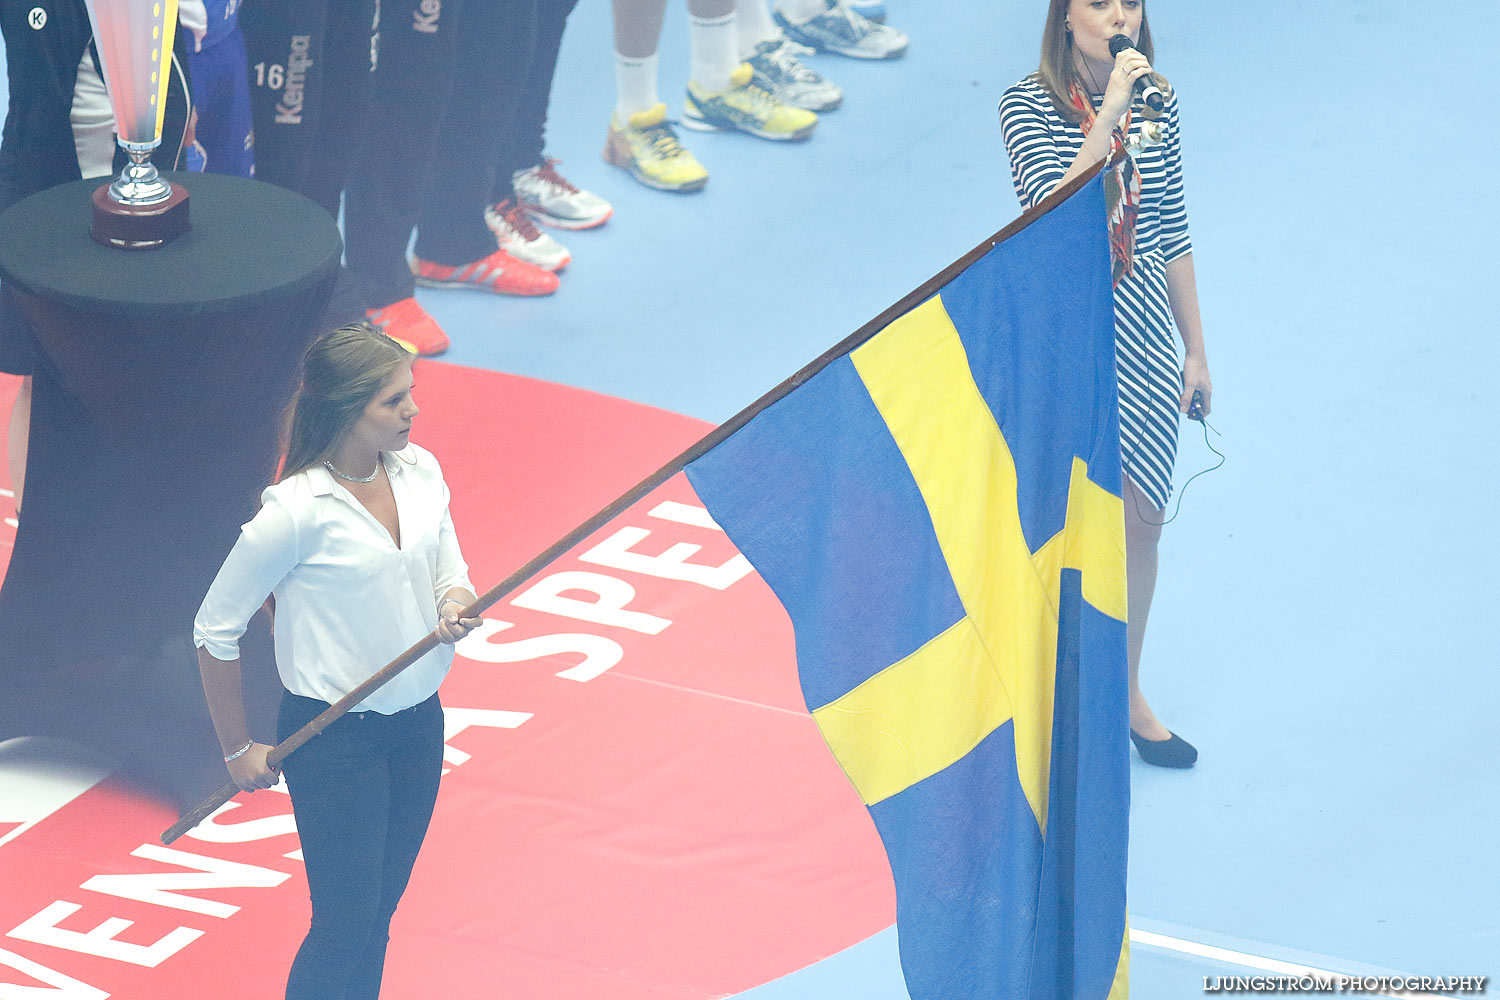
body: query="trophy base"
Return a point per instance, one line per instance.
(139, 227)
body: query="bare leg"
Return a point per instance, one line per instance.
(637, 34)
(710, 8)
(640, 140)
(638, 27)
(1141, 538)
(17, 437)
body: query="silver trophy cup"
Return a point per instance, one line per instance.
(139, 209)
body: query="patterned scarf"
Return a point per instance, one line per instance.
(1122, 187)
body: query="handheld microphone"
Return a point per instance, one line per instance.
(1143, 85)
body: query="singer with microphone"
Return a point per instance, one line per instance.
(1093, 95)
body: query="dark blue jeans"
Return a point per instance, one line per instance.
(363, 794)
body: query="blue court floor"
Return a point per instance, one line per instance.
(1323, 626)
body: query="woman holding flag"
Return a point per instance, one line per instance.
(1078, 108)
(356, 545)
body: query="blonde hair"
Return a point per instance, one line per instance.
(342, 372)
(1057, 71)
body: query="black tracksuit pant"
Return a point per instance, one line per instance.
(507, 57)
(455, 103)
(345, 102)
(522, 141)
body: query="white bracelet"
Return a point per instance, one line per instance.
(241, 751)
(449, 600)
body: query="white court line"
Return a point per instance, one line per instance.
(709, 694)
(6, 493)
(37, 785)
(1154, 940)
(38, 778)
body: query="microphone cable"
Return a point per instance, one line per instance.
(1193, 408)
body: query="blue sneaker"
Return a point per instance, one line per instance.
(872, 10)
(839, 29)
(778, 68)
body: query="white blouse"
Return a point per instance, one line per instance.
(348, 601)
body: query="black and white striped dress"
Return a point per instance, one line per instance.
(1042, 145)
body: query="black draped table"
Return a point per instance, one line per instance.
(157, 411)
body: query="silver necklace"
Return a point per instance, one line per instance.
(352, 479)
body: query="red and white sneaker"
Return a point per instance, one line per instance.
(553, 200)
(499, 273)
(519, 237)
(409, 325)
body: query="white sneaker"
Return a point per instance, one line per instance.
(839, 29)
(553, 201)
(519, 237)
(778, 68)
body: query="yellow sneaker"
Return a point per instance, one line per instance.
(648, 148)
(746, 107)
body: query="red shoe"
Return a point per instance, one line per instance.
(499, 272)
(409, 325)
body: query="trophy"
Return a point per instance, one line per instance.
(140, 208)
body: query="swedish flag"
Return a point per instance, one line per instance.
(938, 508)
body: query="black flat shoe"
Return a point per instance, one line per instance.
(1172, 752)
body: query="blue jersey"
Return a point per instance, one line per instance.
(221, 88)
(209, 21)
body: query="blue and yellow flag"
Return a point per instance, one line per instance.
(939, 511)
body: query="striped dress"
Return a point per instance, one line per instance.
(1042, 144)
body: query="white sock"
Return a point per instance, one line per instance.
(715, 53)
(635, 85)
(753, 24)
(802, 10)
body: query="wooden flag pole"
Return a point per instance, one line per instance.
(926, 290)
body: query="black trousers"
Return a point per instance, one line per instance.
(412, 90)
(495, 45)
(427, 138)
(523, 140)
(311, 71)
(363, 794)
(495, 124)
(310, 76)
(347, 98)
